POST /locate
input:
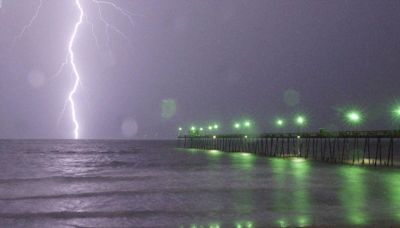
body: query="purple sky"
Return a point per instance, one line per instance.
(215, 60)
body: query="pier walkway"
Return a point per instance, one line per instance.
(376, 148)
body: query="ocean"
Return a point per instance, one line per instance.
(117, 183)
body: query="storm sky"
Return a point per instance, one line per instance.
(189, 62)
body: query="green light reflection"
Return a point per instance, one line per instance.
(279, 168)
(297, 198)
(244, 224)
(301, 196)
(244, 161)
(215, 156)
(392, 184)
(242, 196)
(353, 194)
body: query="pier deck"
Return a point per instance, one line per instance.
(376, 148)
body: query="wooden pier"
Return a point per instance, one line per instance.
(375, 148)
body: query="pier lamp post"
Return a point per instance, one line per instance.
(236, 125)
(201, 131)
(192, 130)
(397, 112)
(247, 124)
(210, 128)
(180, 129)
(216, 126)
(354, 117)
(300, 122)
(279, 123)
(396, 115)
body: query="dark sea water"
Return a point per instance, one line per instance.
(152, 184)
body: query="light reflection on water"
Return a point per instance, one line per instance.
(353, 194)
(297, 199)
(393, 185)
(125, 184)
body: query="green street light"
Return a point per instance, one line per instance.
(180, 129)
(354, 117)
(300, 120)
(216, 126)
(247, 123)
(201, 129)
(236, 125)
(396, 112)
(193, 128)
(280, 122)
(210, 127)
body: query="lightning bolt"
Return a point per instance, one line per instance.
(70, 56)
(74, 69)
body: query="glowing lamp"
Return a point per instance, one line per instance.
(247, 123)
(280, 122)
(396, 112)
(180, 129)
(354, 117)
(236, 125)
(210, 128)
(216, 126)
(300, 120)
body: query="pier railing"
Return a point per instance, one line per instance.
(377, 148)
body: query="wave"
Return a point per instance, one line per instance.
(93, 214)
(97, 152)
(88, 194)
(77, 179)
(129, 193)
